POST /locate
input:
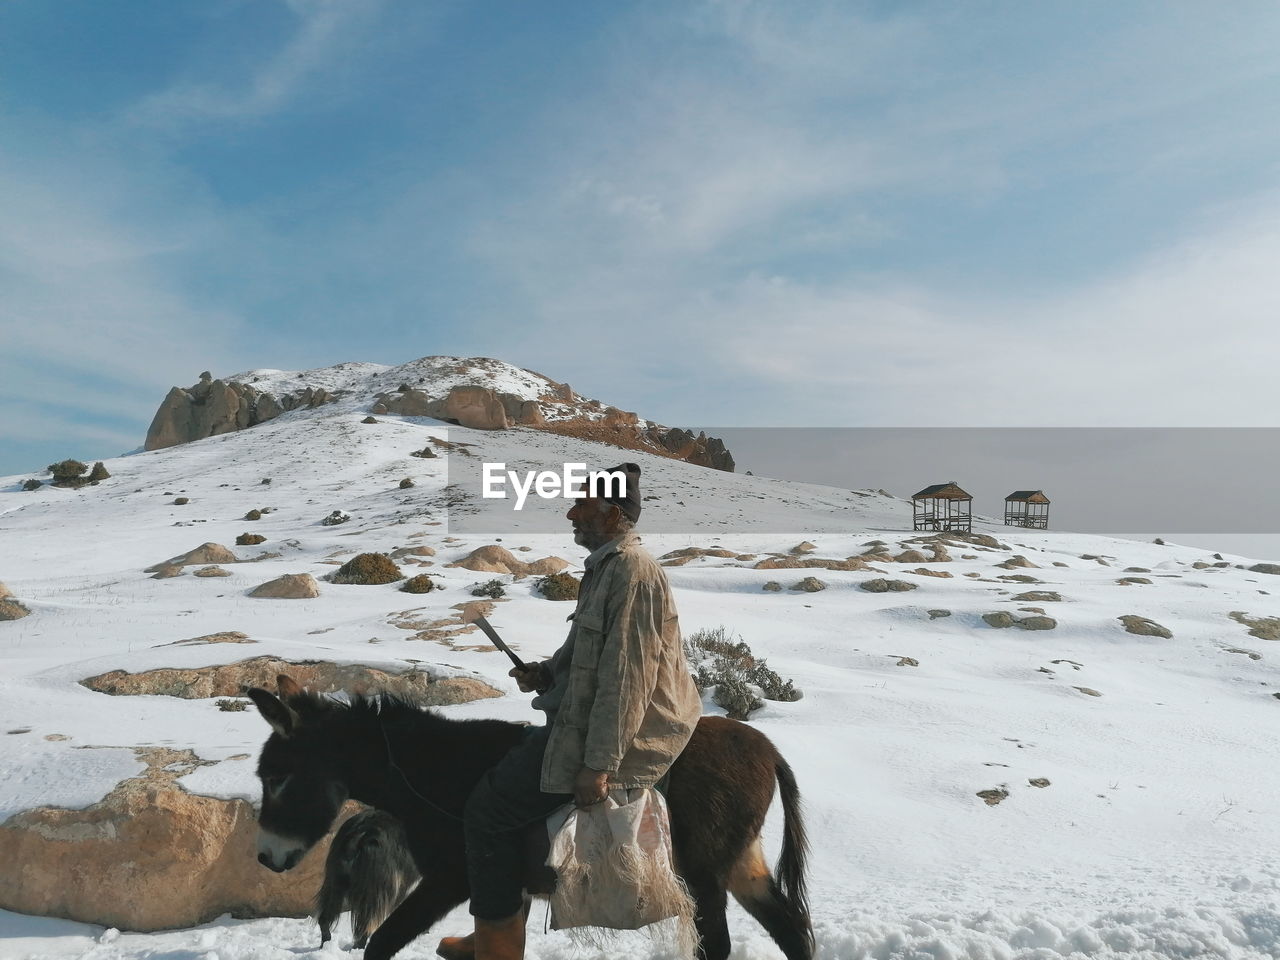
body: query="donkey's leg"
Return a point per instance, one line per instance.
(713, 928)
(753, 886)
(417, 914)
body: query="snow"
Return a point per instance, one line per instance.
(1154, 838)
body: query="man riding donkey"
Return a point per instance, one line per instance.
(620, 707)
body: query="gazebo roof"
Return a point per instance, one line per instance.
(942, 491)
(1027, 496)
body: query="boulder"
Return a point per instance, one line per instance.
(292, 586)
(809, 585)
(150, 856)
(214, 407)
(1037, 623)
(772, 586)
(1144, 627)
(1271, 568)
(881, 585)
(206, 553)
(212, 572)
(1000, 619)
(911, 556)
(476, 407)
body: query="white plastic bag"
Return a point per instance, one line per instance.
(613, 866)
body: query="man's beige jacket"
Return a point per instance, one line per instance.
(630, 705)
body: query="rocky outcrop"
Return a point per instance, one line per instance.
(149, 856)
(496, 559)
(231, 680)
(291, 586)
(213, 407)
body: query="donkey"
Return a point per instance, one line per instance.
(420, 767)
(369, 870)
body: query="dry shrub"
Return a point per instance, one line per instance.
(740, 679)
(558, 586)
(419, 584)
(368, 569)
(493, 589)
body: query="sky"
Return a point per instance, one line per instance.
(751, 213)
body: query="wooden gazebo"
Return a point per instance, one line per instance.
(943, 506)
(1027, 508)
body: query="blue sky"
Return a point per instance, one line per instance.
(739, 213)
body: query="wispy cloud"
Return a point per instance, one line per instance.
(323, 30)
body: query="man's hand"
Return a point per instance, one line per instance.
(590, 787)
(528, 678)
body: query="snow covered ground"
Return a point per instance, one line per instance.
(1155, 837)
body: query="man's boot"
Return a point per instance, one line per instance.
(500, 939)
(464, 948)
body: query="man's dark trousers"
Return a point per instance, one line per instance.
(506, 800)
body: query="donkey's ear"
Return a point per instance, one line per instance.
(288, 687)
(282, 719)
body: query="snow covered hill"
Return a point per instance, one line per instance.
(1128, 782)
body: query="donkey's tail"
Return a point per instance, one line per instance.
(791, 868)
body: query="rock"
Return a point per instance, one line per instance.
(205, 553)
(1018, 578)
(1037, 623)
(181, 501)
(250, 539)
(166, 571)
(12, 610)
(292, 586)
(1017, 561)
(406, 483)
(401, 552)
(369, 420)
(1000, 619)
(1251, 654)
(230, 680)
(802, 563)
(1264, 628)
(926, 572)
(773, 586)
(803, 547)
(1088, 691)
(911, 556)
(212, 572)
(149, 856)
(253, 515)
(1271, 568)
(1040, 782)
(226, 636)
(809, 585)
(1144, 627)
(214, 407)
(335, 518)
(492, 558)
(881, 585)
(1136, 570)
(993, 797)
(905, 661)
(5, 592)
(476, 407)
(1039, 596)
(1131, 581)
(935, 614)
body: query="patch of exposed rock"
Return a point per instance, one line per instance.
(678, 558)
(11, 609)
(1271, 568)
(212, 572)
(999, 619)
(1039, 596)
(772, 586)
(150, 856)
(291, 586)
(1144, 627)
(232, 679)
(881, 585)
(1264, 628)
(1017, 561)
(783, 562)
(492, 558)
(204, 554)
(935, 614)
(226, 636)
(926, 572)
(809, 585)
(1132, 581)
(214, 407)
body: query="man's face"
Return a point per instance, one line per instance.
(594, 522)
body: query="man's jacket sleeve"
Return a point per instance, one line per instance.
(626, 676)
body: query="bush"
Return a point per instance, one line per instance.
(425, 453)
(99, 472)
(558, 586)
(250, 539)
(368, 569)
(232, 706)
(67, 473)
(726, 663)
(419, 584)
(493, 589)
(32, 484)
(368, 420)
